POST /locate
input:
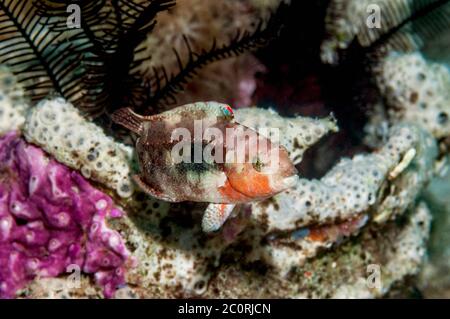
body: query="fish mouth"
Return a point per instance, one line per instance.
(290, 181)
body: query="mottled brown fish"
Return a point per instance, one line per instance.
(197, 152)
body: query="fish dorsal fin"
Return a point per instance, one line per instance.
(129, 119)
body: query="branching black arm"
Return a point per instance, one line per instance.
(165, 87)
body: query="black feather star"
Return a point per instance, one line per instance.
(93, 66)
(113, 29)
(162, 87)
(407, 25)
(44, 60)
(427, 20)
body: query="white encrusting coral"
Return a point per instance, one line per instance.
(395, 250)
(404, 252)
(416, 90)
(380, 186)
(409, 250)
(13, 104)
(60, 129)
(342, 273)
(178, 260)
(296, 134)
(351, 187)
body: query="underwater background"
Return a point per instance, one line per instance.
(359, 91)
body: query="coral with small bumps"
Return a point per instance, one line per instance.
(175, 258)
(296, 134)
(52, 221)
(390, 178)
(342, 272)
(13, 105)
(351, 187)
(59, 128)
(416, 90)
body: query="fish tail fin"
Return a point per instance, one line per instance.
(129, 119)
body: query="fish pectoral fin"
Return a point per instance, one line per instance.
(215, 216)
(129, 119)
(152, 192)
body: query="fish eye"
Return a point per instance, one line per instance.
(228, 111)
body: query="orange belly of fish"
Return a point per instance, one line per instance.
(251, 184)
(230, 194)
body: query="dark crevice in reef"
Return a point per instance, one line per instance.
(298, 83)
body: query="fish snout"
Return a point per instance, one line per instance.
(286, 166)
(286, 174)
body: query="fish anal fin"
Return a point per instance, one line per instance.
(215, 216)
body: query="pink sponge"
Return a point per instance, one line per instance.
(52, 220)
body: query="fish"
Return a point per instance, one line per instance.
(198, 152)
